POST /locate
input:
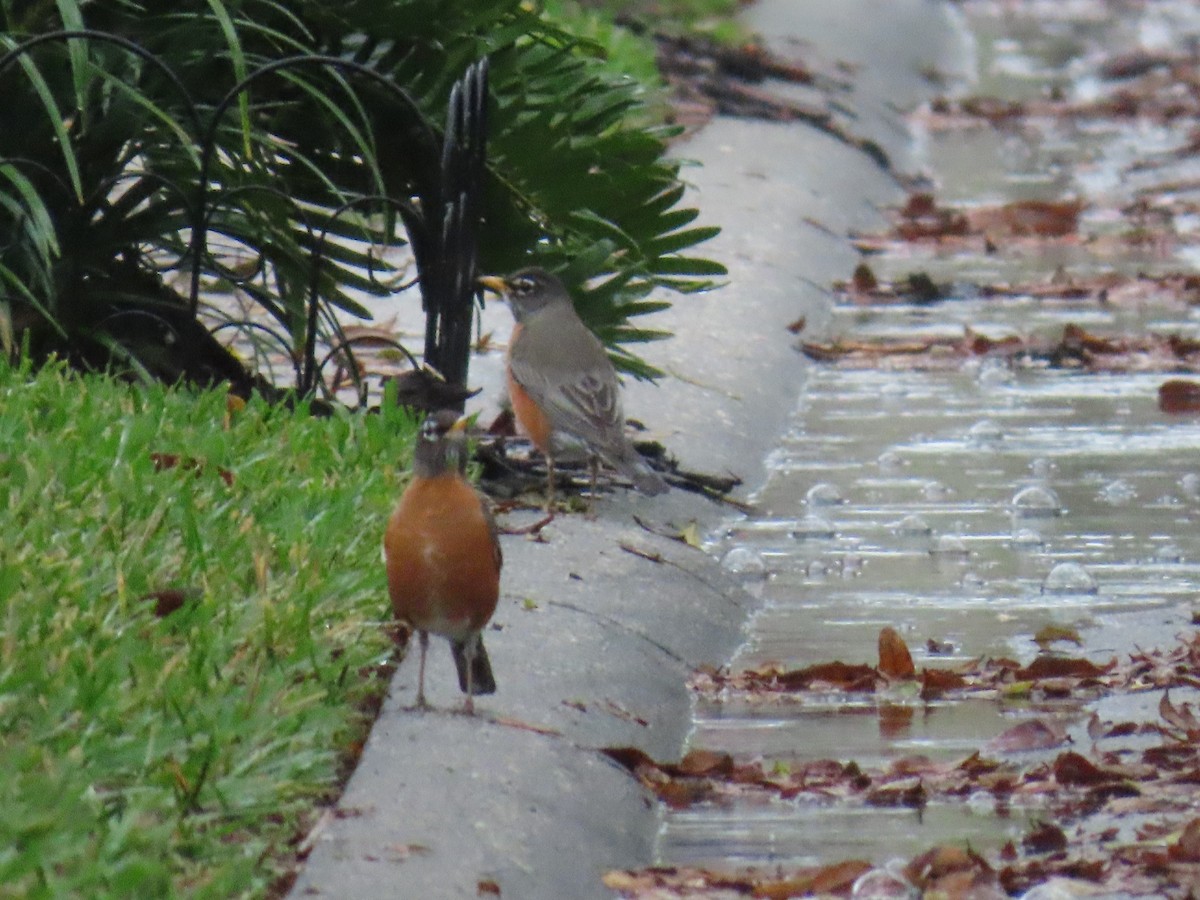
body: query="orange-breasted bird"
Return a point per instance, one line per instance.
(443, 556)
(561, 381)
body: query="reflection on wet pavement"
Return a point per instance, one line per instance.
(970, 507)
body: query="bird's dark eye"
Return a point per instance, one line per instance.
(523, 285)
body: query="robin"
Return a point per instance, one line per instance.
(562, 382)
(443, 556)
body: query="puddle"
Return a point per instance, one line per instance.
(969, 508)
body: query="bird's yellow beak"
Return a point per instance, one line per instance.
(460, 426)
(493, 283)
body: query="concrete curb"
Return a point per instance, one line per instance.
(594, 642)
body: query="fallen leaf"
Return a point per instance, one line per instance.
(1032, 734)
(1187, 848)
(1071, 768)
(894, 659)
(1179, 396)
(705, 762)
(1050, 634)
(1060, 667)
(1044, 838)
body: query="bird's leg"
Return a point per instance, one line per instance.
(549, 484)
(469, 656)
(423, 636)
(593, 469)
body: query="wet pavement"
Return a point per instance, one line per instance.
(970, 505)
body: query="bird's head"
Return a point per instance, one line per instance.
(528, 291)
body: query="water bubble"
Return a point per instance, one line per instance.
(890, 461)
(813, 527)
(1117, 493)
(824, 494)
(1190, 485)
(935, 490)
(950, 545)
(984, 432)
(1036, 501)
(1042, 468)
(882, 884)
(1027, 539)
(972, 581)
(743, 561)
(993, 372)
(1069, 578)
(852, 564)
(913, 526)
(1168, 553)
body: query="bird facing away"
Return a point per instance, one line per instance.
(443, 556)
(561, 381)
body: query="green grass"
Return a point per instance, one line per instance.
(178, 756)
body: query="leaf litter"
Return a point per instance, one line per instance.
(1112, 812)
(1118, 817)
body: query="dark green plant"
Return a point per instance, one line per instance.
(103, 141)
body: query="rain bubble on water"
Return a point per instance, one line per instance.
(935, 490)
(984, 432)
(890, 461)
(1168, 553)
(881, 884)
(1042, 467)
(950, 545)
(813, 527)
(912, 526)
(824, 494)
(1036, 501)
(1069, 578)
(993, 372)
(1117, 493)
(1190, 485)
(1027, 539)
(744, 561)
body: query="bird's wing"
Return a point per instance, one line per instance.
(565, 370)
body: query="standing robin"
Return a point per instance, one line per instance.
(562, 382)
(443, 556)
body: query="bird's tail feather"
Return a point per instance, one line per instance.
(633, 466)
(470, 655)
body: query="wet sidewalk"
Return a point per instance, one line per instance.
(600, 626)
(979, 452)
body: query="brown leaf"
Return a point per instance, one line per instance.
(863, 280)
(1073, 769)
(935, 682)
(174, 460)
(894, 659)
(937, 863)
(631, 758)
(168, 600)
(832, 879)
(1050, 634)
(1180, 717)
(1026, 218)
(487, 888)
(1061, 667)
(698, 763)
(1044, 838)
(1179, 396)
(839, 674)
(1032, 734)
(1187, 848)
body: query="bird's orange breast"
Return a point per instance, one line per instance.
(442, 567)
(531, 417)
